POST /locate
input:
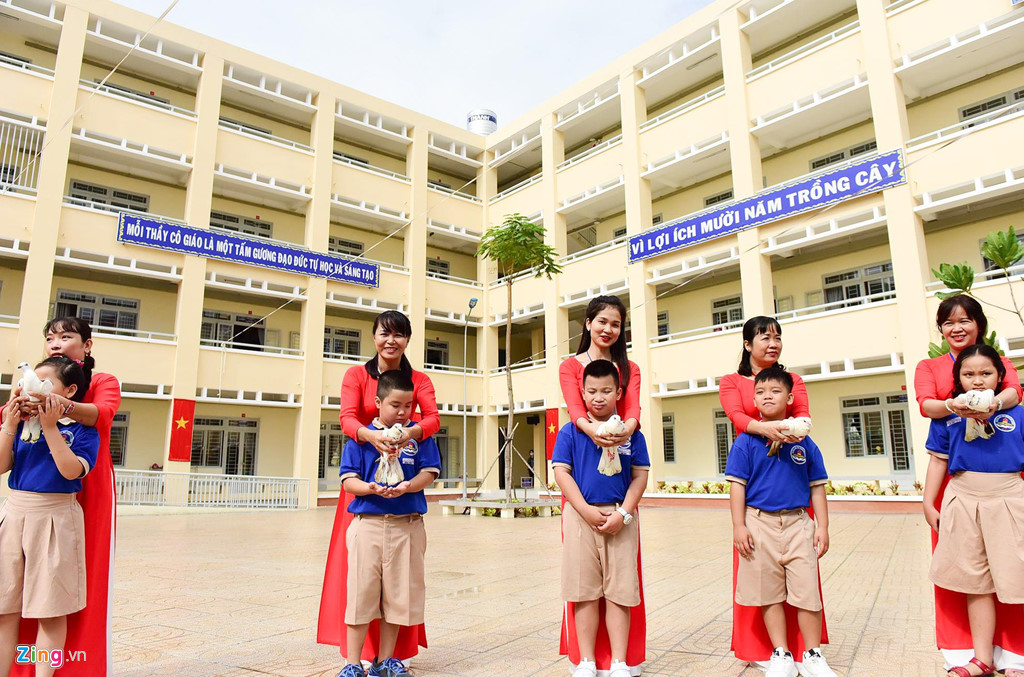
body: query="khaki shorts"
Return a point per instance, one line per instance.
(981, 536)
(784, 566)
(42, 555)
(595, 565)
(386, 569)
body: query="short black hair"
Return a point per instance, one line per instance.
(69, 372)
(775, 373)
(600, 369)
(394, 380)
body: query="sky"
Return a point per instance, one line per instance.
(438, 57)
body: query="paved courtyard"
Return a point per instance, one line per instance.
(237, 594)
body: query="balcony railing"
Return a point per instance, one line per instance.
(454, 193)
(263, 136)
(699, 331)
(1004, 114)
(346, 357)
(835, 306)
(981, 278)
(367, 167)
(590, 152)
(537, 178)
(804, 50)
(25, 65)
(454, 368)
(520, 365)
(251, 347)
(21, 142)
(596, 249)
(453, 278)
(114, 209)
(684, 107)
(157, 488)
(135, 98)
(136, 334)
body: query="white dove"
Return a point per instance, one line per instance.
(798, 427)
(31, 385)
(389, 469)
(976, 400)
(609, 463)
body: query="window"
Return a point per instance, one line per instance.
(657, 219)
(784, 304)
(844, 154)
(246, 127)
(663, 323)
(339, 342)
(244, 332)
(102, 311)
(439, 268)
(437, 353)
(339, 245)
(727, 311)
(228, 444)
(14, 59)
(668, 437)
(724, 196)
(725, 435)
(332, 442)
(586, 237)
(853, 284)
(119, 438)
(876, 425)
(241, 224)
(621, 232)
(444, 448)
(105, 197)
(981, 107)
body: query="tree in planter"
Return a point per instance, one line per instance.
(516, 245)
(1002, 249)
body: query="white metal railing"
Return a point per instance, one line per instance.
(135, 98)
(367, 167)
(154, 336)
(590, 152)
(520, 365)
(582, 106)
(198, 490)
(114, 209)
(536, 178)
(453, 192)
(684, 107)
(699, 331)
(596, 249)
(804, 50)
(25, 65)
(133, 147)
(428, 366)
(896, 5)
(250, 347)
(514, 145)
(1004, 114)
(454, 278)
(836, 306)
(269, 182)
(263, 136)
(20, 145)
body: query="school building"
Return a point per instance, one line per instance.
(744, 115)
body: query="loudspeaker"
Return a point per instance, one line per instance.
(532, 419)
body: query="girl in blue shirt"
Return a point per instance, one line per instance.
(42, 530)
(979, 551)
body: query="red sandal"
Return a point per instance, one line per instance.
(961, 671)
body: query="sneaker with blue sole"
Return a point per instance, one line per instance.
(352, 670)
(389, 667)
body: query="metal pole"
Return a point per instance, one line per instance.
(465, 396)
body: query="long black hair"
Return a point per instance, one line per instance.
(971, 308)
(396, 323)
(69, 372)
(618, 349)
(759, 324)
(984, 350)
(74, 325)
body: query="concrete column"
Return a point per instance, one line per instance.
(487, 339)
(905, 228)
(306, 457)
(643, 299)
(745, 155)
(416, 244)
(52, 173)
(198, 201)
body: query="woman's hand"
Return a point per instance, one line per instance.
(773, 430)
(381, 443)
(590, 429)
(50, 411)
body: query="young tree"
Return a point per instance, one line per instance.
(516, 245)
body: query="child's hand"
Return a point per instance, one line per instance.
(931, 515)
(398, 490)
(377, 489)
(49, 411)
(743, 541)
(820, 541)
(612, 525)
(595, 517)
(12, 414)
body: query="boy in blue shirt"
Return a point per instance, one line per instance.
(778, 542)
(599, 530)
(387, 540)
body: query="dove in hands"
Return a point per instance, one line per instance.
(37, 391)
(797, 427)
(609, 464)
(976, 400)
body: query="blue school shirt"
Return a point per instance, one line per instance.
(35, 470)
(781, 482)
(1003, 452)
(360, 460)
(576, 451)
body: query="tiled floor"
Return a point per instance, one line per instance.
(237, 594)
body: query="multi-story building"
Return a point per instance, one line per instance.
(738, 99)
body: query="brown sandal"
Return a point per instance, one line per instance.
(962, 671)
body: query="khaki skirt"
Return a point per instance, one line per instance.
(42, 555)
(981, 536)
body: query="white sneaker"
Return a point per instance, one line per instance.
(781, 665)
(585, 669)
(619, 669)
(814, 665)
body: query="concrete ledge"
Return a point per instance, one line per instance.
(476, 508)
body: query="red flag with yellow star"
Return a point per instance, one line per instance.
(550, 431)
(181, 430)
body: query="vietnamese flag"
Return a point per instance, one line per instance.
(182, 414)
(550, 431)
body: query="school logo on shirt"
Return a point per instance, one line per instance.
(1004, 423)
(69, 437)
(798, 454)
(410, 449)
(626, 449)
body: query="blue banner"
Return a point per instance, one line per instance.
(250, 251)
(789, 199)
